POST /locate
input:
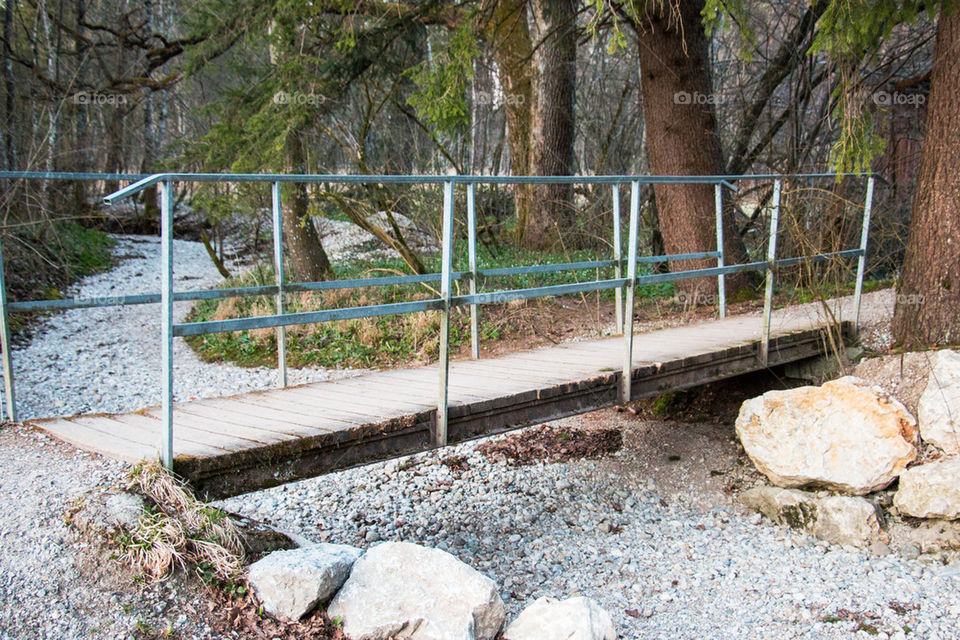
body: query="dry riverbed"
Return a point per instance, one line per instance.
(652, 532)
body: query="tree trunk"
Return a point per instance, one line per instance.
(551, 140)
(308, 260)
(509, 37)
(10, 88)
(682, 138)
(928, 292)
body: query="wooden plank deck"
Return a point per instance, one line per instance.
(253, 440)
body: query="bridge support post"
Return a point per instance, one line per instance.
(771, 266)
(862, 260)
(721, 279)
(439, 435)
(618, 256)
(5, 345)
(278, 271)
(472, 266)
(627, 377)
(166, 323)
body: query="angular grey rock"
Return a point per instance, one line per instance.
(836, 519)
(572, 619)
(931, 490)
(403, 589)
(291, 583)
(845, 435)
(103, 512)
(938, 411)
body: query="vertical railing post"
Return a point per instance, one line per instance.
(472, 266)
(618, 256)
(721, 278)
(278, 270)
(862, 260)
(439, 438)
(166, 322)
(5, 345)
(627, 377)
(771, 265)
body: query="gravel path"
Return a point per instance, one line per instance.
(52, 586)
(108, 359)
(649, 533)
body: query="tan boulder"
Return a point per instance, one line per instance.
(845, 435)
(930, 490)
(938, 411)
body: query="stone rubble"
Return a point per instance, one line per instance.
(930, 490)
(291, 583)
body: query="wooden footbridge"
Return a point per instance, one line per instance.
(253, 440)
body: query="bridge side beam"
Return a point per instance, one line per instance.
(771, 267)
(627, 377)
(8, 390)
(278, 272)
(166, 322)
(721, 278)
(862, 260)
(439, 435)
(617, 255)
(472, 268)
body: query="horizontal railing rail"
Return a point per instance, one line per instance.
(622, 284)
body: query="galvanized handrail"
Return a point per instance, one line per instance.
(624, 286)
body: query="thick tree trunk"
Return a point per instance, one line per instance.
(308, 260)
(551, 214)
(682, 138)
(509, 38)
(928, 292)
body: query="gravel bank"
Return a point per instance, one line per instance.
(52, 586)
(650, 533)
(108, 359)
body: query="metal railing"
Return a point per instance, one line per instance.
(624, 286)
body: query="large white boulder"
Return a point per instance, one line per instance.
(571, 619)
(836, 519)
(291, 583)
(845, 435)
(938, 411)
(402, 589)
(930, 490)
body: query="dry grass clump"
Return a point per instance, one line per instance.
(179, 530)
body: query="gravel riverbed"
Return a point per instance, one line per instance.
(649, 532)
(653, 532)
(108, 359)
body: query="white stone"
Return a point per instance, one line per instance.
(572, 619)
(403, 589)
(836, 519)
(931, 490)
(104, 512)
(291, 583)
(845, 435)
(939, 409)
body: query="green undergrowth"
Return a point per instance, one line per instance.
(42, 261)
